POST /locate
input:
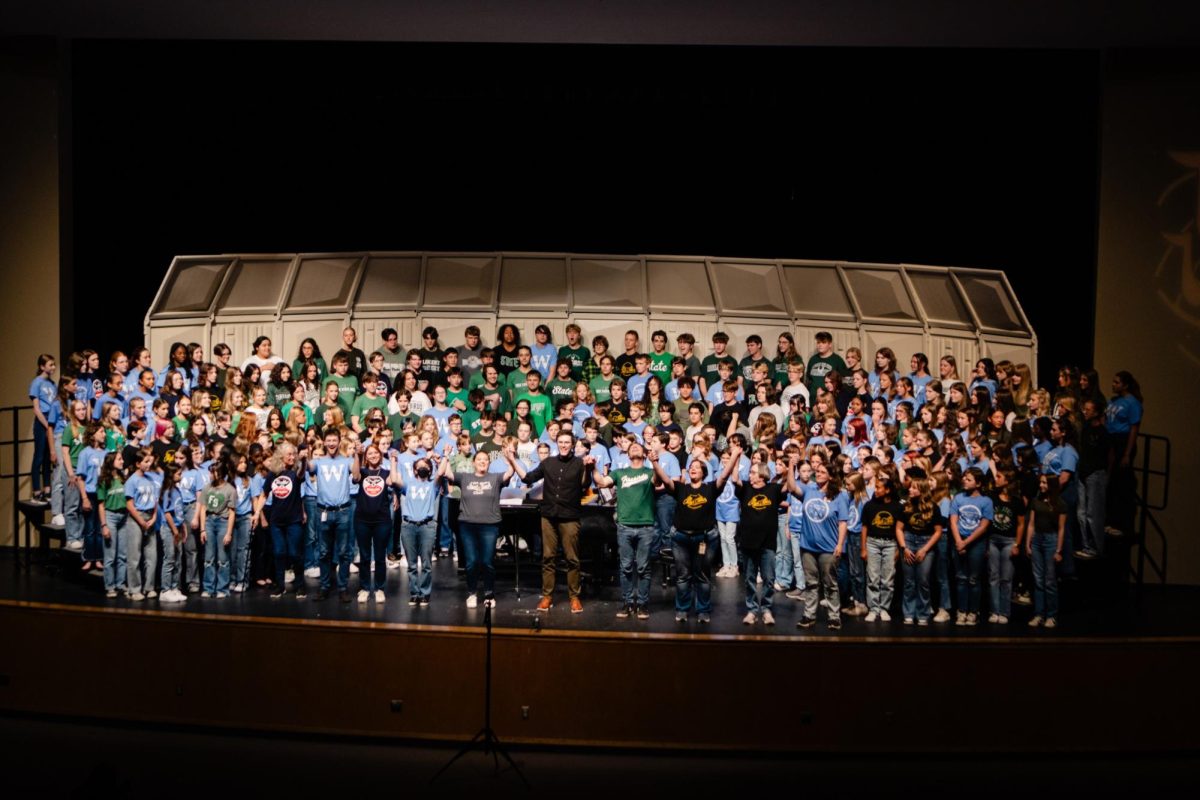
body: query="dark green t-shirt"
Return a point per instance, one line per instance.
(819, 367)
(635, 495)
(577, 356)
(708, 367)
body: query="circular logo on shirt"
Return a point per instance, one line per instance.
(373, 485)
(854, 514)
(1004, 518)
(969, 517)
(817, 509)
(695, 501)
(281, 487)
(760, 502)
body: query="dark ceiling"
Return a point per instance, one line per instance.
(846, 23)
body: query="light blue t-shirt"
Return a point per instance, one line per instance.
(143, 491)
(333, 479)
(821, 518)
(192, 482)
(636, 386)
(971, 511)
(421, 499)
(1059, 460)
(88, 465)
(543, 358)
(1122, 413)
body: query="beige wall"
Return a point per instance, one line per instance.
(29, 230)
(1148, 289)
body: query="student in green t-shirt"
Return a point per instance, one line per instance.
(563, 384)
(709, 373)
(347, 384)
(686, 344)
(600, 385)
(514, 382)
(660, 358)
(746, 366)
(823, 362)
(575, 351)
(110, 499)
(366, 401)
(634, 487)
(540, 409)
(457, 395)
(401, 419)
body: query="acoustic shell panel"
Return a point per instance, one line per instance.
(679, 287)
(191, 286)
(322, 283)
(881, 294)
(254, 285)
(390, 282)
(460, 282)
(749, 288)
(994, 306)
(607, 284)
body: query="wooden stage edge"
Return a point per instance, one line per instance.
(606, 689)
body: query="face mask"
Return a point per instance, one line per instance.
(423, 473)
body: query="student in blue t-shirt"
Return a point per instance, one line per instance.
(543, 355)
(823, 519)
(44, 394)
(418, 528)
(334, 475)
(138, 532)
(1123, 420)
(971, 514)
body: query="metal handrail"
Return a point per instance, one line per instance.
(15, 443)
(1146, 519)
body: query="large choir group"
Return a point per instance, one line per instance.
(823, 477)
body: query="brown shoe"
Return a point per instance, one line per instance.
(545, 604)
(576, 606)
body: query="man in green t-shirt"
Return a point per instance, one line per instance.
(822, 363)
(366, 401)
(709, 373)
(634, 487)
(403, 418)
(660, 358)
(575, 351)
(600, 385)
(514, 382)
(457, 395)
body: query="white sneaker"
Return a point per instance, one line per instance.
(363, 595)
(237, 588)
(972, 618)
(861, 608)
(1050, 623)
(961, 619)
(522, 545)
(870, 617)
(75, 546)
(1035, 622)
(59, 521)
(1001, 619)
(472, 601)
(289, 576)
(884, 616)
(312, 572)
(768, 618)
(172, 596)
(922, 623)
(206, 594)
(908, 620)
(137, 596)
(379, 596)
(942, 615)
(354, 569)
(489, 602)
(993, 618)
(749, 618)
(150, 595)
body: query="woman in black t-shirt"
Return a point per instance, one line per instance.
(1005, 542)
(694, 537)
(758, 524)
(287, 518)
(922, 527)
(373, 524)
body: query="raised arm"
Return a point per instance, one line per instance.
(735, 454)
(666, 479)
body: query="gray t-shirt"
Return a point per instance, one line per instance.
(393, 363)
(218, 500)
(469, 361)
(480, 497)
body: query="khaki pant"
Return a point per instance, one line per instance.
(553, 530)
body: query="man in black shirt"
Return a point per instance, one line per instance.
(625, 364)
(431, 356)
(729, 413)
(564, 476)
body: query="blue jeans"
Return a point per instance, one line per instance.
(288, 543)
(114, 550)
(39, 469)
(445, 532)
(418, 544)
(915, 602)
(335, 530)
(693, 586)
(785, 556)
(312, 533)
(170, 557)
(633, 546)
(729, 551)
(192, 552)
(140, 551)
(72, 511)
(664, 520)
(240, 554)
(945, 555)
(216, 555)
(851, 572)
(1045, 579)
(93, 540)
(1093, 496)
(752, 564)
(969, 575)
(479, 551)
(1000, 573)
(373, 538)
(881, 573)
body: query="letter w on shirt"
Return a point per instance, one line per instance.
(333, 472)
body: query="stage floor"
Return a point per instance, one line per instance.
(1086, 612)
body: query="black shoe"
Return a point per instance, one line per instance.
(321, 596)
(276, 593)
(643, 612)
(806, 622)
(344, 596)
(424, 601)
(834, 624)
(626, 612)
(301, 593)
